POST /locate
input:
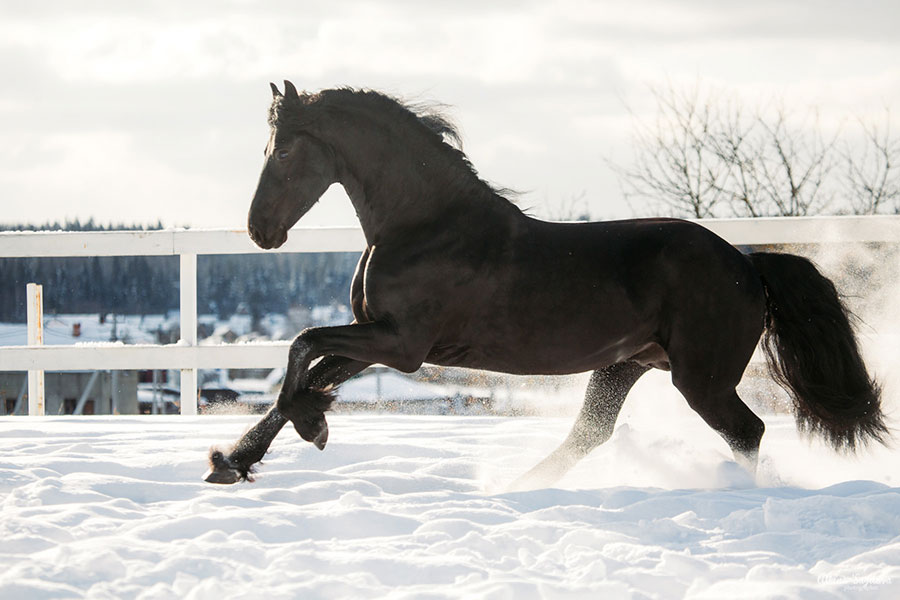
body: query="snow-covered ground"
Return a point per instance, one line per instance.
(415, 507)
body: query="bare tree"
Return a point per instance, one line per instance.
(675, 162)
(705, 156)
(573, 208)
(796, 162)
(873, 169)
(736, 144)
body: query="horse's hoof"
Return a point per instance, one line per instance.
(224, 476)
(222, 469)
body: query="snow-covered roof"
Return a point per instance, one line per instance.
(59, 329)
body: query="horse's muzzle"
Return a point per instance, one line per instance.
(267, 242)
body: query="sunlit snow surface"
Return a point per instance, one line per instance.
(414, 507)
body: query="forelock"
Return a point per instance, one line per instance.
(292, 113)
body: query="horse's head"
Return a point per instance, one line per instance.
(297, 171)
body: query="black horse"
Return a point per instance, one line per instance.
(455, 274)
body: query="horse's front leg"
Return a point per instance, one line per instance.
(236, 464)
(375, 342)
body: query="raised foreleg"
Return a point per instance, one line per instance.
(603, 400)
(236, 464)
(373, 342)
(305, 396)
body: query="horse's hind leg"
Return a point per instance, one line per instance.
(707, 380)
(603, 400)
(726, 413)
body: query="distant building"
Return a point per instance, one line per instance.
(101, 392)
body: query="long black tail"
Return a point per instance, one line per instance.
(813, 354)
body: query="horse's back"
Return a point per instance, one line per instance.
(649, 263)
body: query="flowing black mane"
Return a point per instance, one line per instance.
(426, 117)
(427, 114)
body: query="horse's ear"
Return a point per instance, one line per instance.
(275, 92)
(289, 90)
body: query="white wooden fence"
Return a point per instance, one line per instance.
(188, 356)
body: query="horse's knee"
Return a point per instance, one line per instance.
(306, 410)
(301, 345)
(299, 356)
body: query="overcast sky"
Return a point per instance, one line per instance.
(138, 111)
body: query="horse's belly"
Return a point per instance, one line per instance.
(544, 360)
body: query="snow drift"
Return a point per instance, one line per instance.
(414, 507)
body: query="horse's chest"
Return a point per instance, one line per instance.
(412, 289)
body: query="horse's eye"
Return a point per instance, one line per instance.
(281, 154)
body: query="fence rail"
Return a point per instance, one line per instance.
(169, 242)
(188, 356)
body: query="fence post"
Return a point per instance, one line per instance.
(188, 307)
(35, 314)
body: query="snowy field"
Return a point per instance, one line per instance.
(415, 507)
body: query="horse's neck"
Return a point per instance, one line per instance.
(400, 187)
(417, 194)
(386, 216)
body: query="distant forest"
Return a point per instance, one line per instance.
(149, 284)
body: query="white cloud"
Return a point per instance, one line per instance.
(103, 175)
(174, 96)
